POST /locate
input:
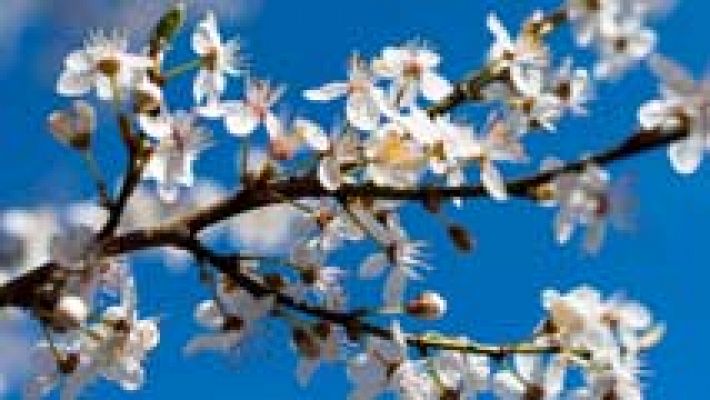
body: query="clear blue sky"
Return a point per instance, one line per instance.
(494, 293)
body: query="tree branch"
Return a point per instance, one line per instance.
(309, 187)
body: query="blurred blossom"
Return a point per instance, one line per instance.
(267, 229)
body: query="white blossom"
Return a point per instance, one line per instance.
(584, 198)
(401, 258)
(622, 43)
(342, 154)
(171, 163)
(363, 98)
(105, 64)
(463, 374)
(314, 346)
(518, 55)
(385, 367)
(393, 159)
(232, 316)
(531, 378)
(683, 106)
(218, 59)
(242, 117)
(411, 69)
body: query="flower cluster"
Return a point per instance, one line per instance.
(113, 348)
(613, 332)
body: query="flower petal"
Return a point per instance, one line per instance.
(327, 92)
(240, 120)
(685, 155)
(434, 87)
(493, 181)
(72, 83)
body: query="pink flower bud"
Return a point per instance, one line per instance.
(429, 305)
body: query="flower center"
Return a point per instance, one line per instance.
(109, 66)
(232, 323)
(593, 5)
(209, 60)
(412, 69)
(621, 45)
(534, 392)
(564, 90)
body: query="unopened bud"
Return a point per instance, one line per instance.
(282, 148)
(460, 237)
(71, 311)
(74, 127)
(169, 24)
(429, 305)
(305, 343)
(68, 364)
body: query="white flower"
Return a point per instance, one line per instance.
(124, 342)
(534, 105)
(463, 374)
(531, 379)
(683, 106)
(105, 64)
(364, 99)
(587, 16)
(324, 282)
(171, 162)
(393, 158)
(342, 154)
(401, 257)
(499, 144)
(315, 345)
(611, 373)
(577, 313)
(517, 55)
(384, 366)
(243, 117)
(450, 147)
(412, 69)
(573, 87)
(622, 43)
(333, 226)
(615, 331)
(233, 315)
(584, 198)
(218, 59)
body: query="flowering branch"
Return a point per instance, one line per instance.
(389, 147)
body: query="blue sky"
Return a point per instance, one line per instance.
(494, 292)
